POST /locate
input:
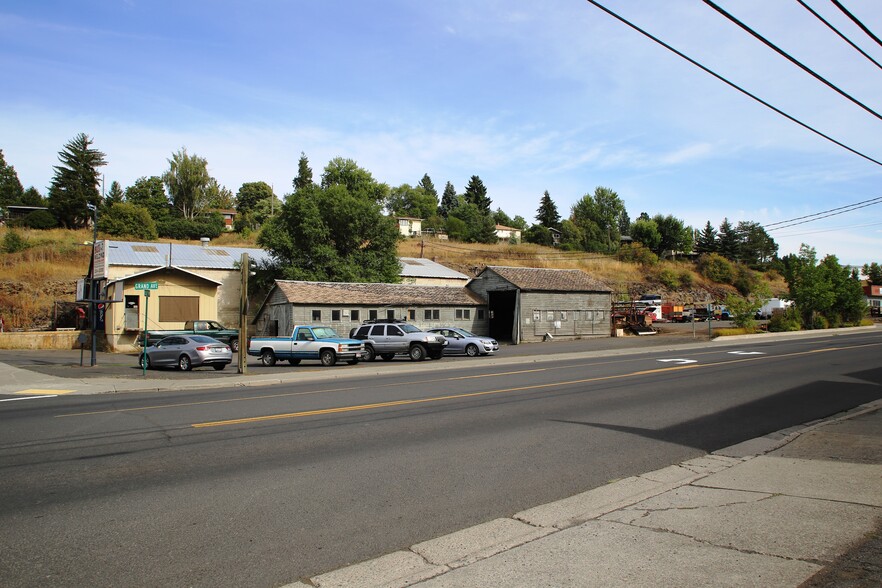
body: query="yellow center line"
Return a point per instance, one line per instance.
(415, 401)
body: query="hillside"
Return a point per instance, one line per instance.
(38, 282)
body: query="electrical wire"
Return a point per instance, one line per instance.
(792, 59)
(869, 202)
(730, 83)
(841, 35)
(856, 21)
(819, 216)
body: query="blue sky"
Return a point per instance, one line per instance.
(530, 96)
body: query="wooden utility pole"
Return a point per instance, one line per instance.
(245, 268)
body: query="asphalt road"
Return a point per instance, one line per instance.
(262, 486)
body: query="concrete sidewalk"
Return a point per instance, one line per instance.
(803, 505)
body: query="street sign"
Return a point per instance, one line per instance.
(146, 285)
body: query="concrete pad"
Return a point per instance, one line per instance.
(399, 569)
(591, 504)
(781, 526)
(710, 464)
(478, 542)
(753, 447)
(828, 480)
(609, 554)
(672, 475)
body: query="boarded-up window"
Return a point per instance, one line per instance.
(177, 309)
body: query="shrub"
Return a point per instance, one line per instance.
(687, 278)
(637, 254)
(789, 320)
(40, 219)
(669, 278)
(14, 242)
(123, 219)
(716, 268)
(185, 229)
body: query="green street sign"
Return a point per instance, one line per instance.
(146, 285)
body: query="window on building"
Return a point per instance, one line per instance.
(354, 314)
(390, 314)
(463, 314)
(432, 314)
(335, 315)
(411, 314)
(480, 314)
(174, 309)
(316, 316)
(372, 315)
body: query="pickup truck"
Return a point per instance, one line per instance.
(307, 342)
(212, 329)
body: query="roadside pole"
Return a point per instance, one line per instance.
(245, 269)
(144, 361)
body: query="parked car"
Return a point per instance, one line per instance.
(186, 352)
(212, 329)
(460, 341)
(307, 342)
(389, 337)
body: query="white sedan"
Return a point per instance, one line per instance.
(462, 342)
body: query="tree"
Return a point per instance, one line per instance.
(706, 239)
(598, 216)
(11, 190)
(250, 194)
(873, 271)
(756, 247)
(304, 173)
(728, 242)
(675, 237)
(32, 197)
(128, 220)
(449, 200)
(187, 182)
(825, 293)
(75, 182)
(743, 309)
(476, 193)
(427, 185)
(115, 195)
(334, 232)
(218, 196)
(411, 201)
(149, 193)
(500, 218)
(572, 237)
(646, 233)
(547, 214)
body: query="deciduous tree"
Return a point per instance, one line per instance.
(11, 190)
(187, 181)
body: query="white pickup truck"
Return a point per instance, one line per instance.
(307, 342)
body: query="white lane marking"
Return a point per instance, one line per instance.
(28, 397)
(679, 361)
(746, 353)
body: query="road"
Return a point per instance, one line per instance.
(263, 486)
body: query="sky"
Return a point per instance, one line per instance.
(529, 96)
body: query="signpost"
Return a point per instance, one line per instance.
(146, 287)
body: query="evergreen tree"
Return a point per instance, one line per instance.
(11, 190)
(547, 214)
(427, 185)
(476, 193)
(304, 173)
(115, 195)
(449, 200)
(706, 239)
(728, 242)
(32, 197)
(873, 271)
(75, 182)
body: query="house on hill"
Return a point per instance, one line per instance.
(531, 304)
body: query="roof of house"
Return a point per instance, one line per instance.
(174, 254)
(548, 280)
(357, 294)
(505, 228)
(416, 267)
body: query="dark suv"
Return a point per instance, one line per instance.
(386, 338)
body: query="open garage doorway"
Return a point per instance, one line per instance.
(501, 304)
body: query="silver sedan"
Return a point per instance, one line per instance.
(186, 352)
(462, 342)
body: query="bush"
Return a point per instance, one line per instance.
(14, 242)
(186, 229)
(40, 219)
(789, 320)
(130, 220)
(637, 254)
(669, 278)
(687, 278)
(716, 268)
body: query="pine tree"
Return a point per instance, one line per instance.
(114, 195)
(427, 185)
(706, 241)
(75, 183)
(728, 242)
(449, 200)
(304, 173)
(476, 193)
(547, 215)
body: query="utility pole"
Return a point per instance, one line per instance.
(245, 268)
(93, 320)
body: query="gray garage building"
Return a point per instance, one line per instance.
(530, 304)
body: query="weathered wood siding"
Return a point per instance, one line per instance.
(564, 314)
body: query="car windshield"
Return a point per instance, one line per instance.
(464, 333)
(324, 333)
(203, 339)
(409, 328)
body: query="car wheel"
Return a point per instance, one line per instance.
(471, 350)
(234, 345)
(219, 366)
(388, 356)
(369, 353)
(185, 363)
(417, 353)
(144, 362)
(268, 358)
(294, 361)
(328, 357)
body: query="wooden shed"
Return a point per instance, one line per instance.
(532, 304)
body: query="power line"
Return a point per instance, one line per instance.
(732, 84)
(841, 35)
(793, 60)
(855, 204)
(825, 214)
(856, 21)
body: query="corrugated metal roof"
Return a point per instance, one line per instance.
(184, 256)
(345, 293)
(416, 267)
(549, 280)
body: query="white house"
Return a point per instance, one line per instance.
(508, 234)
(410, 226)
